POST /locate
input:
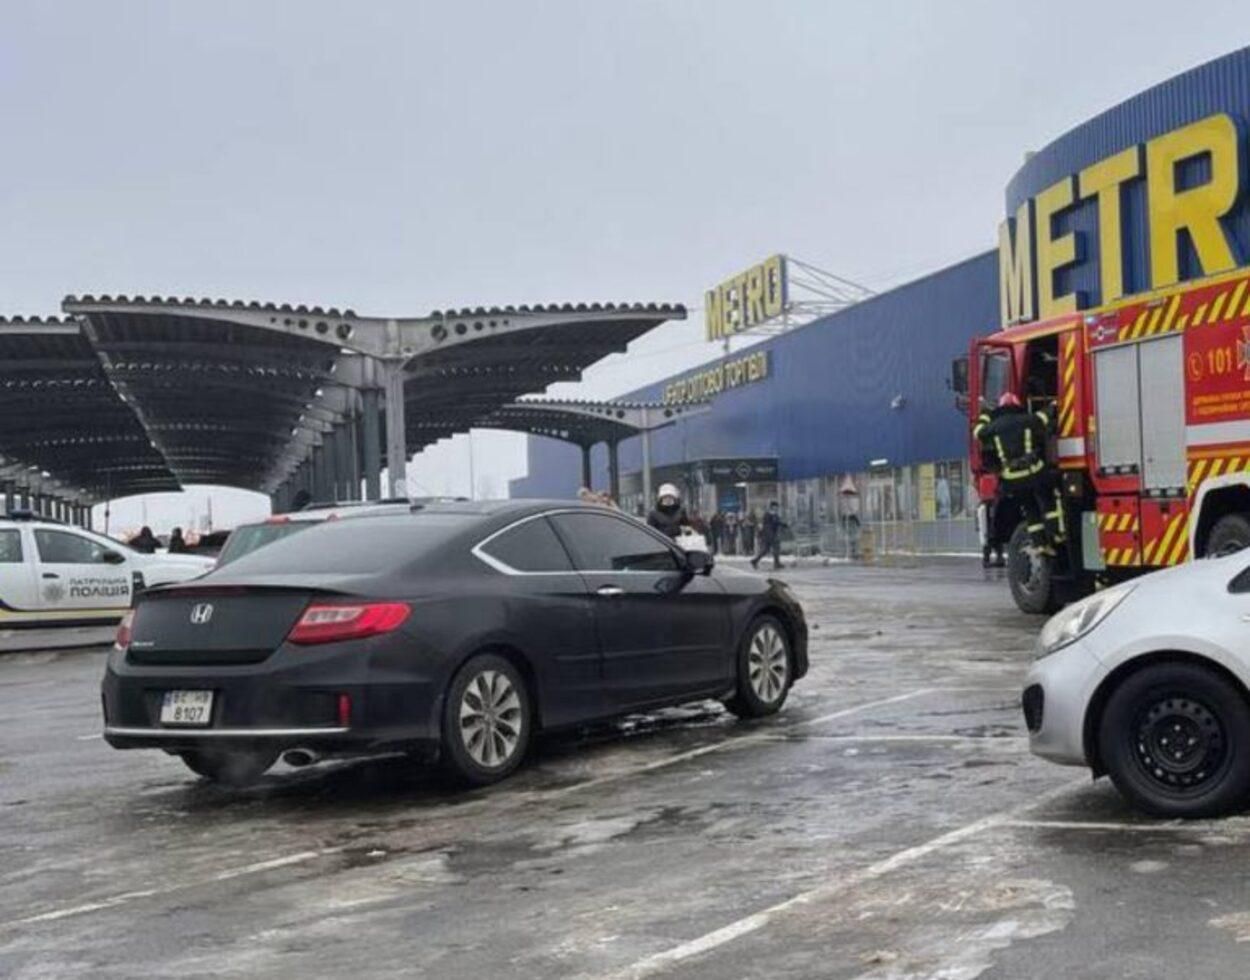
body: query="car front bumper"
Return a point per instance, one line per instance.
(292, 699)
(1057, 693)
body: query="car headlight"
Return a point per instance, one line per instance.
(1079, 619)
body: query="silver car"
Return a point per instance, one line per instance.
(1149, 682)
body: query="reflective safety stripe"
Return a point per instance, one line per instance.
(1010, 474)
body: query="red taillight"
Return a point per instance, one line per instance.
(325, 623)
(125, 629)
(345, 710)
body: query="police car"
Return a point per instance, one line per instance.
(52, 573)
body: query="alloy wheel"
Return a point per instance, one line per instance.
(768, 663)
(490, 719)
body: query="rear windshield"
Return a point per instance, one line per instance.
(244, 540)
(366, 544)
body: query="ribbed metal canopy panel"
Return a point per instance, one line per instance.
(585, 422)
(218, 399)
(60, 415)
(451, 390)
(226, 388)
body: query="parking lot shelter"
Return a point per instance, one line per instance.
(276, 397)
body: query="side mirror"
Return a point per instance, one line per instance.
(698, 562)
(111, 557)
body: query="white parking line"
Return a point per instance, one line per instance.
(1231, 824)
(88, 738)
(115, 900)
(755, 738)
(524, 799)
(659, 962)
(922, 737)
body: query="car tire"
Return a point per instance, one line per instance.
(230, 767)
(1030, 576)
(1231, 533)
(487, 721)
(1175, 739)
(765, 669)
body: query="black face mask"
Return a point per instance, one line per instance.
(670, 508)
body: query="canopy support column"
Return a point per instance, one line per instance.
(9, 495)
(351, 457)
(396, 434)
(320, 474)
(614, 469)
(646, 459)
(587, 480)
(371, 444)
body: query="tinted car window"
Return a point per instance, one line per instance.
(531, 546)
(246, 539)
(62, 548)
(10, 547)
(601, 543)
(369, 544)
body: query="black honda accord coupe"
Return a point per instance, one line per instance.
(456, 632)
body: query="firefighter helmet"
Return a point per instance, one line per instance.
(1009, 398)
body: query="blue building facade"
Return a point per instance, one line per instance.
(854, 413)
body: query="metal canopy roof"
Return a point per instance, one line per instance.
(60, 415)
(587, 423)
(243, 394)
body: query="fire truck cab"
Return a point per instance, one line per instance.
(1149, 401)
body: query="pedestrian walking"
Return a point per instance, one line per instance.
(731, 533)
(668, 516)
(770, 536)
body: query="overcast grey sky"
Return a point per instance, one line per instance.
(402, 157)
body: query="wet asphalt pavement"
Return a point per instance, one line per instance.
(889, 823)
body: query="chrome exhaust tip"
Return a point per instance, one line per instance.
(300, 757)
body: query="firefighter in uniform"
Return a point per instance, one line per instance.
(1018, 438)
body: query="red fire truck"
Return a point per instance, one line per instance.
(1150, 402)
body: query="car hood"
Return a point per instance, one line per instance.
(1187, 608)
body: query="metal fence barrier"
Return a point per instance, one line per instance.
(872, 539)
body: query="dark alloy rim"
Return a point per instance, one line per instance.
(1180, 745)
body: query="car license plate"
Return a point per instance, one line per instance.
(187, 708)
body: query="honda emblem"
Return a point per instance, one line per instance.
(201, 613)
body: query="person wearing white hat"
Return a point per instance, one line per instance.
(668, 516)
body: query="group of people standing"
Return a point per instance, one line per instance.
(146, 542)
(724, 532)
(733, 534)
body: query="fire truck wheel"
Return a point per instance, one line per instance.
(1029, 575)
(1174, 738)
(1231, 533)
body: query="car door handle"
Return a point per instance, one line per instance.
(609, 590)
(51, 575)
